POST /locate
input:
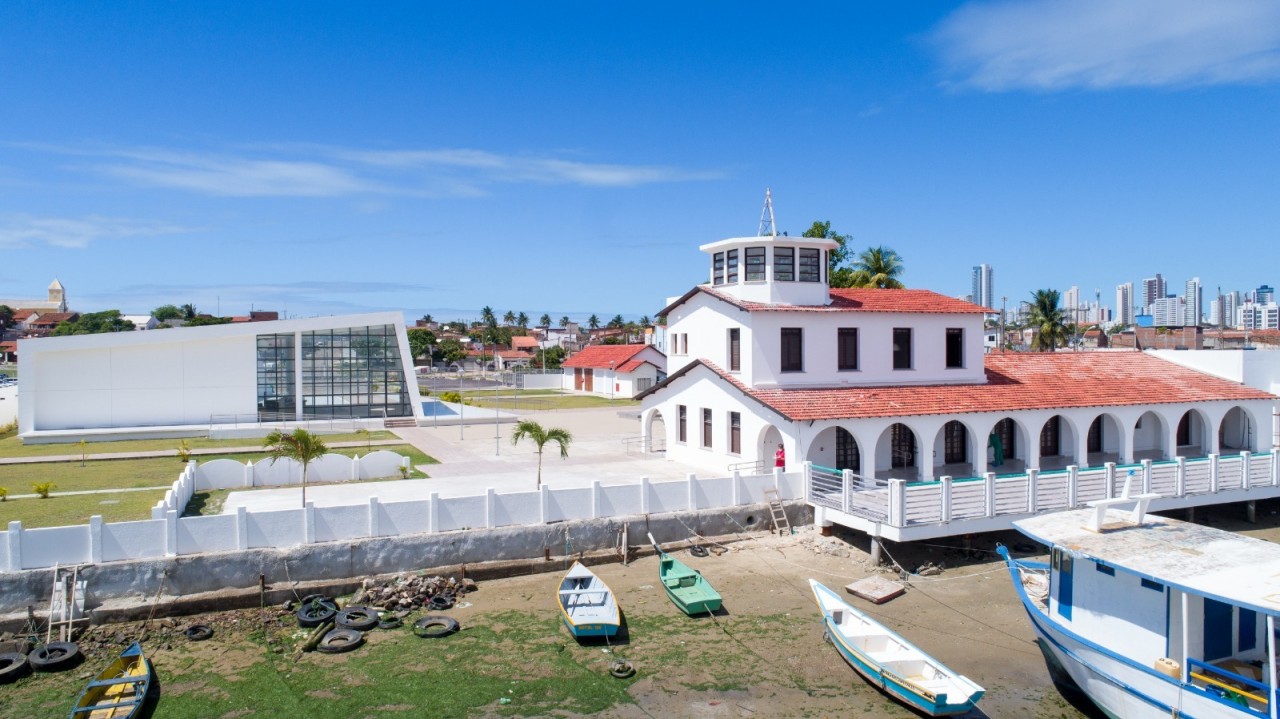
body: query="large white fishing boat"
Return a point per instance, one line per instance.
(1154, 617)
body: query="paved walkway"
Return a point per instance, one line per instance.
(174, 453)
(474, 458)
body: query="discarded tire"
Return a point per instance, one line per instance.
(440, 602)
(340, 640)
(434, 627)
(54, 656)
(316, 612)
(313, 597)
(718, 550)
(13, 666)
(198, 632)
(358, 618)
(621, 668)
(698, 550)
(390, 622)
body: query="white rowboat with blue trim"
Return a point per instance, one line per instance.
(587, 605)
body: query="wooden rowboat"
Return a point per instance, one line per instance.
(686, 587)
(891, 662)
(120, 691)
(587, 605)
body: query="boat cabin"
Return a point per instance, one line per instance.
(1161, 602)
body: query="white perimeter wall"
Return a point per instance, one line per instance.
(8, 404)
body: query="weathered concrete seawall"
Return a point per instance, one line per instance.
(224, 580)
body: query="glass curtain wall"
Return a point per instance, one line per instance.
(276, 378)
(347, 372)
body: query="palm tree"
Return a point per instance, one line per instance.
(878, 267)
(564, 321)
(1048, 320)
(540, 436)
(509, 318)
(646, 322)
(522, 321)
(544, 321)
(189, 311)
(487, 316)
(301, 446)
(426, 319)
(593, 322)
(616, 322)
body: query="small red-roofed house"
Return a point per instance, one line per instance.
(614, 370)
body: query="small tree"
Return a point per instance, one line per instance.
(540, 436)
(44, 488)
(300, 445)
(184, 451)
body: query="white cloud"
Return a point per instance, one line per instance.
(327, 171)
(24, 231)
(1101, 44)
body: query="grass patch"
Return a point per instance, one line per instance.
(11, 446)
(61, 509)
(564, 401)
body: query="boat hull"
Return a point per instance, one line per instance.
(588, 607)
(687, 588)
(1119, 687)
(596, 629)
(121, 691)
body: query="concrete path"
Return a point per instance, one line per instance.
(92, 491)
(474, 458)
(174, 453)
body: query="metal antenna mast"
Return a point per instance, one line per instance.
(767, 226)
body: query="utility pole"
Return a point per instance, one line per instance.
(1003, 300)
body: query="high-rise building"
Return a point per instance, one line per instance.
(1194, 303)
(1152, 290)
(1259, 316)
(1124, 304)
(1168, 311)
(983, 291)
(1230, 308)
(1265, 294)
(1072, 307)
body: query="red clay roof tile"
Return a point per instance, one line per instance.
(603, 356)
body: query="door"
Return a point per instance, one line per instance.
(1217, 629)
(577, 378)
(589, 375)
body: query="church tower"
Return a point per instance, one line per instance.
(58, 294)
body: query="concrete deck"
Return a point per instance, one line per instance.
(475, 457)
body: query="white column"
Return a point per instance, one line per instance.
(95, 539)
(1033, 487)
(309, 523)
(989, 493)
(15, 546)
(490, 501)
(242, 528)
(692, 479)
(374, 511)
(171, 533)
(945, 499)
(735, 493)
(1073, 487)
(433, 512)
(644, 495)
(1126, 451)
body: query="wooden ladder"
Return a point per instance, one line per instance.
(66, 602)
(779, 514)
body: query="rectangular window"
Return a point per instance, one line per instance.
(792, 349)
(847, 348)
(731, 267)
(810, 265)
(735, 432)
(955, 348)
(755, 264)
(1109, 571)
(784, 264)
(706, 428)
(735, 349)
(1148, 584)
(902, 348)
(717, 269)
(682, 423)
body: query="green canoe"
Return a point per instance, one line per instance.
(686, 587)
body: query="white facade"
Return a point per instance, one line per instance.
(1124, 304)
(1253, 316)
(1168, 312)
(1153, 288)
(193, 375)
(1194, 310)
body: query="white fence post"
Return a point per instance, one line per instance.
(1275, 465)
(373, 516)
(1033, 489)
(1180, 479)
(693, 491)
(171, 533)
(1146, 476)
(95, 539)
(644, 495)
(846, 490)
(355, 467)
(490, 506)
(735, 495)
(1246, 460)
(595, 499)
(15, 546)
(242, 528)
(806, 471)
(897, 502)
(989, 493)
(433, 513)
(1073, 487)
(248, 474)
(945, 498)
(309, 523)
(1213, 473)
(777, 479)
(1109, 491)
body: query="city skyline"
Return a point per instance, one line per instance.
(441, 159)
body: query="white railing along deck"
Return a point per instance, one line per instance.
(899, 503)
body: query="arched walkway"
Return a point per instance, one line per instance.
(1104, 441)
(835, 447)
(1057, 443)
(1006, 447)
(1193, 437)
(1237, 433)
(767, 446)
(655, 433)
(897, 453)
(1149, 438)
(953, 451)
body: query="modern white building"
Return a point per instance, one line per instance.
(895, 384)
(1169, 312)
(984, 293)
(346, 367)
(1153, 288)
(1124, 304)
(1254, 316)
(1194, 309)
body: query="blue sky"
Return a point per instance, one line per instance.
(568, 158)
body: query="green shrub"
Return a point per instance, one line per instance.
(4, 494)
(44, 488)
(453, 397)
(184, 451)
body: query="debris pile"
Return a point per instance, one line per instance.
(833, 546)
(409, 591)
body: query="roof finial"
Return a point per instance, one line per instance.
(767, 226)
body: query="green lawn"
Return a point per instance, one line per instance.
(118, 474)
(565, 401)
(11, 446)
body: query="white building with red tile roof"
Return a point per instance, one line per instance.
(614, 370)
(895, 383)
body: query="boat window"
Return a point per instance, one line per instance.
(1147, 583)
(1247, 629)
(1109, 571)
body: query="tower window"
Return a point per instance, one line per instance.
(784, 264)
(755, 264)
